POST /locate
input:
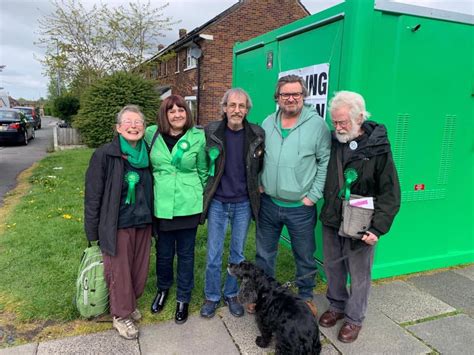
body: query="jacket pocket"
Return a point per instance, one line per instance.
(288, 187)
(191, 194)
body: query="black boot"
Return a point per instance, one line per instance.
(181, 315)
(159, 301)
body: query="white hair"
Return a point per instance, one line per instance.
(354, 101)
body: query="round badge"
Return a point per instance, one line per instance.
(353, 145)
(184, 145)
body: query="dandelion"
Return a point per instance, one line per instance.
(67, 216)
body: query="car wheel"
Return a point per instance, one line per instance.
(25, 138)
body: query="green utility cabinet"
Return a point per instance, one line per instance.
(414, 66)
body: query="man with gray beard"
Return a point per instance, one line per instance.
(364, 152)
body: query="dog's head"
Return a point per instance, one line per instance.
(250, 277)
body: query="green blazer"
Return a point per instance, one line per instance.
(178, 191)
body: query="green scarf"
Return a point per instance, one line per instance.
(138, 156)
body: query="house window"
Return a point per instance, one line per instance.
(154, 74)
(164, 68)
(191, 62)
(177, 63)
(191, 101)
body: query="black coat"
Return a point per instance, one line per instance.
(102, 195)
(254, 152)
(377, 178)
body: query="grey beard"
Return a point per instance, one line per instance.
(346, 137)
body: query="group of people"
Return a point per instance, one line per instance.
(166, 179)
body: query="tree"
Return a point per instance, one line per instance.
(53, 90)
(84, 44)
(101, 102)
(65, 107)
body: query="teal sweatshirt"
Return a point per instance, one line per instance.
(295, 166)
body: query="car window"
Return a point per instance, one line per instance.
(9, 116)
(25, 110)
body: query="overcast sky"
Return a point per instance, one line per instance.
(22, 76)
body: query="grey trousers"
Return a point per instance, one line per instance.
(358, 265)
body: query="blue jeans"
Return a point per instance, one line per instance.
(238, 214)
(300, 222)
(182, 243)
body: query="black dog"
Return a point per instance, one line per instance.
(278, 311)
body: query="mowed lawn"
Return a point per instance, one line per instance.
(42, 240)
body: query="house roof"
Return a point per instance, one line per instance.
(192, 35)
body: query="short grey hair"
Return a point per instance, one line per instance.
(130, 108)
(287, 79)
(238, 91)
(354, 101)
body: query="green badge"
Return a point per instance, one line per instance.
(131, 178)
(183, 147)
(213, 154)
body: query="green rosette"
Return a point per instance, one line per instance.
(213, 154)
(183, 147)
(131, 178)
(350, 176)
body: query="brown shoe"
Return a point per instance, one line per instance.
(329, 318)
(250, 308)
(348, 332)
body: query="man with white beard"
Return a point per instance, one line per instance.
(364, 152)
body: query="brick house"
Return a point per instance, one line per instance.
(198, 66)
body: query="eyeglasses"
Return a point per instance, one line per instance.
(138, 123)
(343, 124)
(233, 106)
(287, 95)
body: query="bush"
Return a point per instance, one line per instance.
(65, 107)
(101, 102)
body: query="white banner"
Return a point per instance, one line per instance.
(317, 81)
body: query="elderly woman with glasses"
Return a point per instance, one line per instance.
(118, 214)
(179, 165)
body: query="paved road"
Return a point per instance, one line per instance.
(16, 158)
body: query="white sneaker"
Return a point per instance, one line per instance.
(136, 315)
(126, 328)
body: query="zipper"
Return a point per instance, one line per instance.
(84, 281)
(220, 145)
(253, 146)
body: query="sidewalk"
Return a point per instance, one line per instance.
(425, 314)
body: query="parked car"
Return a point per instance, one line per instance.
(31, 112)
(15, 126)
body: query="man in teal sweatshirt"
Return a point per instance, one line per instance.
(297, 147)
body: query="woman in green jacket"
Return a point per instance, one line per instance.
(179, 167)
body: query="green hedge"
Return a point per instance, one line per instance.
(101, 102)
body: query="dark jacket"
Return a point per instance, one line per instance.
(254, 152)
(377, 178)
(103, 190)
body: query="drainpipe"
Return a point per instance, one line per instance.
(205, 37)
